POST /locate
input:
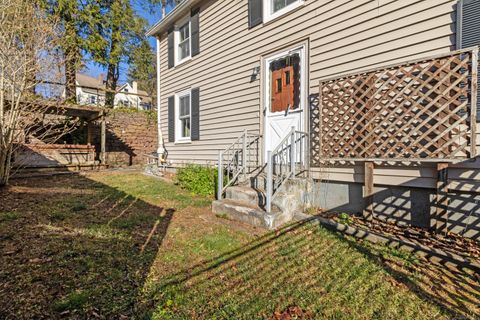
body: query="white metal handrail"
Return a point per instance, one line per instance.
(289, 159)
(238, 159)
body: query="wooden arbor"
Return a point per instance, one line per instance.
(417, 111)
(89, 114)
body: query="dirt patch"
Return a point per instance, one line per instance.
(83, 246)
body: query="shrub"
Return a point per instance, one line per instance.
(198, 179)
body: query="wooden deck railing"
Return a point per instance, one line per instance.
(416, 111)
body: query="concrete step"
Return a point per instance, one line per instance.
(246, 194)
(245, 212)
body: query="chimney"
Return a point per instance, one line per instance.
(134, 86)
(100, 78)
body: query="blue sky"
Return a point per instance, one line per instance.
(152, 14)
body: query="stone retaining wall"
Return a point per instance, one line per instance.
(130, 135)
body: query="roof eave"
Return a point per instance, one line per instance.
(179, 11)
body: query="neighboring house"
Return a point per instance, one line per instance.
(229, 66)
(91, 91)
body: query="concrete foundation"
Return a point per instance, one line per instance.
(402, 205)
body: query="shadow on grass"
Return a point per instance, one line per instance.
(305, 267)
(75, 248)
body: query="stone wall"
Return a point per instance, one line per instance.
(130, 135)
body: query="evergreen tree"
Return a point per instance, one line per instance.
(114, 31)
(142, 68)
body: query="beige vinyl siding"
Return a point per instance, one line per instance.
(343, 36)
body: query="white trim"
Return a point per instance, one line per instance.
(161, 148)
(268, 15)
(178, 138)
(181, 23)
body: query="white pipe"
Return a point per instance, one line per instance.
(161, 149)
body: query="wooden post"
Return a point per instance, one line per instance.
(368, 192)
(103, 140)
(441, 202)
(89, 132)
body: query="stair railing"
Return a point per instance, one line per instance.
(288, 160)
(237, 161)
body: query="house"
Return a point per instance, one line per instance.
(91, 91)
(377, 93)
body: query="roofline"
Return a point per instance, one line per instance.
(171, 17)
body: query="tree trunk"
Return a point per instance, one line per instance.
(70, 80)
(111, 85)
(5, 166)
(113, 68)
(72, 58)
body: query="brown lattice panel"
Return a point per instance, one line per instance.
(418, 111)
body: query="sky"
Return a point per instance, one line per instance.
(152, 15)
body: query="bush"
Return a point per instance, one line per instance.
(198, 179)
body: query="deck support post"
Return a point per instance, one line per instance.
(103, 139)
(368, 191)
(441, 201)
(89, 132)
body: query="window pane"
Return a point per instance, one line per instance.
(184, 32)
(185, 128)
(184, 109)
(278, 4)
(184, 50)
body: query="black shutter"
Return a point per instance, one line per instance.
(195, 29)
(195, 134)
(171, 48)
(255, 13)
(468, 30)
(171, 119)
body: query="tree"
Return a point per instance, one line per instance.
(68, 12)
(114, 30)
(28, 58)
(142, 68)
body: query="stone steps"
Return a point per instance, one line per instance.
(246, 212)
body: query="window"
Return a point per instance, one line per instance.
(93, 99)
(278, 5)
(183, 41)
(276, 8)
(183, 116)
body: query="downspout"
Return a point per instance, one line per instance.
(161, 148)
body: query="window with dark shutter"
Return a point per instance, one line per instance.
(255, 13)
(195, 26)
(195, 134)
(171, 119)
(468, 30)
(171, 48)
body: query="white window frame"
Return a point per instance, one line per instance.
(178, 128)
(180, 24)
(268, 13)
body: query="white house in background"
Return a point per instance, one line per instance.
(91, 91)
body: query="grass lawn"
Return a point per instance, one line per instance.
(120, 245)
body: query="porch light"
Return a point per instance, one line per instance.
(255, 73)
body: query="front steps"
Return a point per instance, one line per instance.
(246, 204)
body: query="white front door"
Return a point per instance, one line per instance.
(285, 93)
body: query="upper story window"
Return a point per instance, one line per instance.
(276, 8)
(183, 42)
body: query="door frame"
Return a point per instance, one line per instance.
(266, 89)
